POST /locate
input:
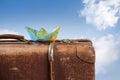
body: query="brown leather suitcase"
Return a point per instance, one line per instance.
(22, 59)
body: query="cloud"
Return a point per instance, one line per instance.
(107, 51)
(101, 13)
(6, 31)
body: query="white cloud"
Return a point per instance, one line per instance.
(6, 31)
(107, 51)
(101, 13)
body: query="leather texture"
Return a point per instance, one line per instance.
(86, 53)
(74, 61)
(29, 61)
(24, 62)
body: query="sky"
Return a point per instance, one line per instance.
(97, 20)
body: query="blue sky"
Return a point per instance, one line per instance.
(97, 20)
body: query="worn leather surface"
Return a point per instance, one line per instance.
(11, 36)
(24, 62)
(74, 62)
(29, 61)
(86, 53)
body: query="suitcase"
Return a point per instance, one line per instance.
(22, 59)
